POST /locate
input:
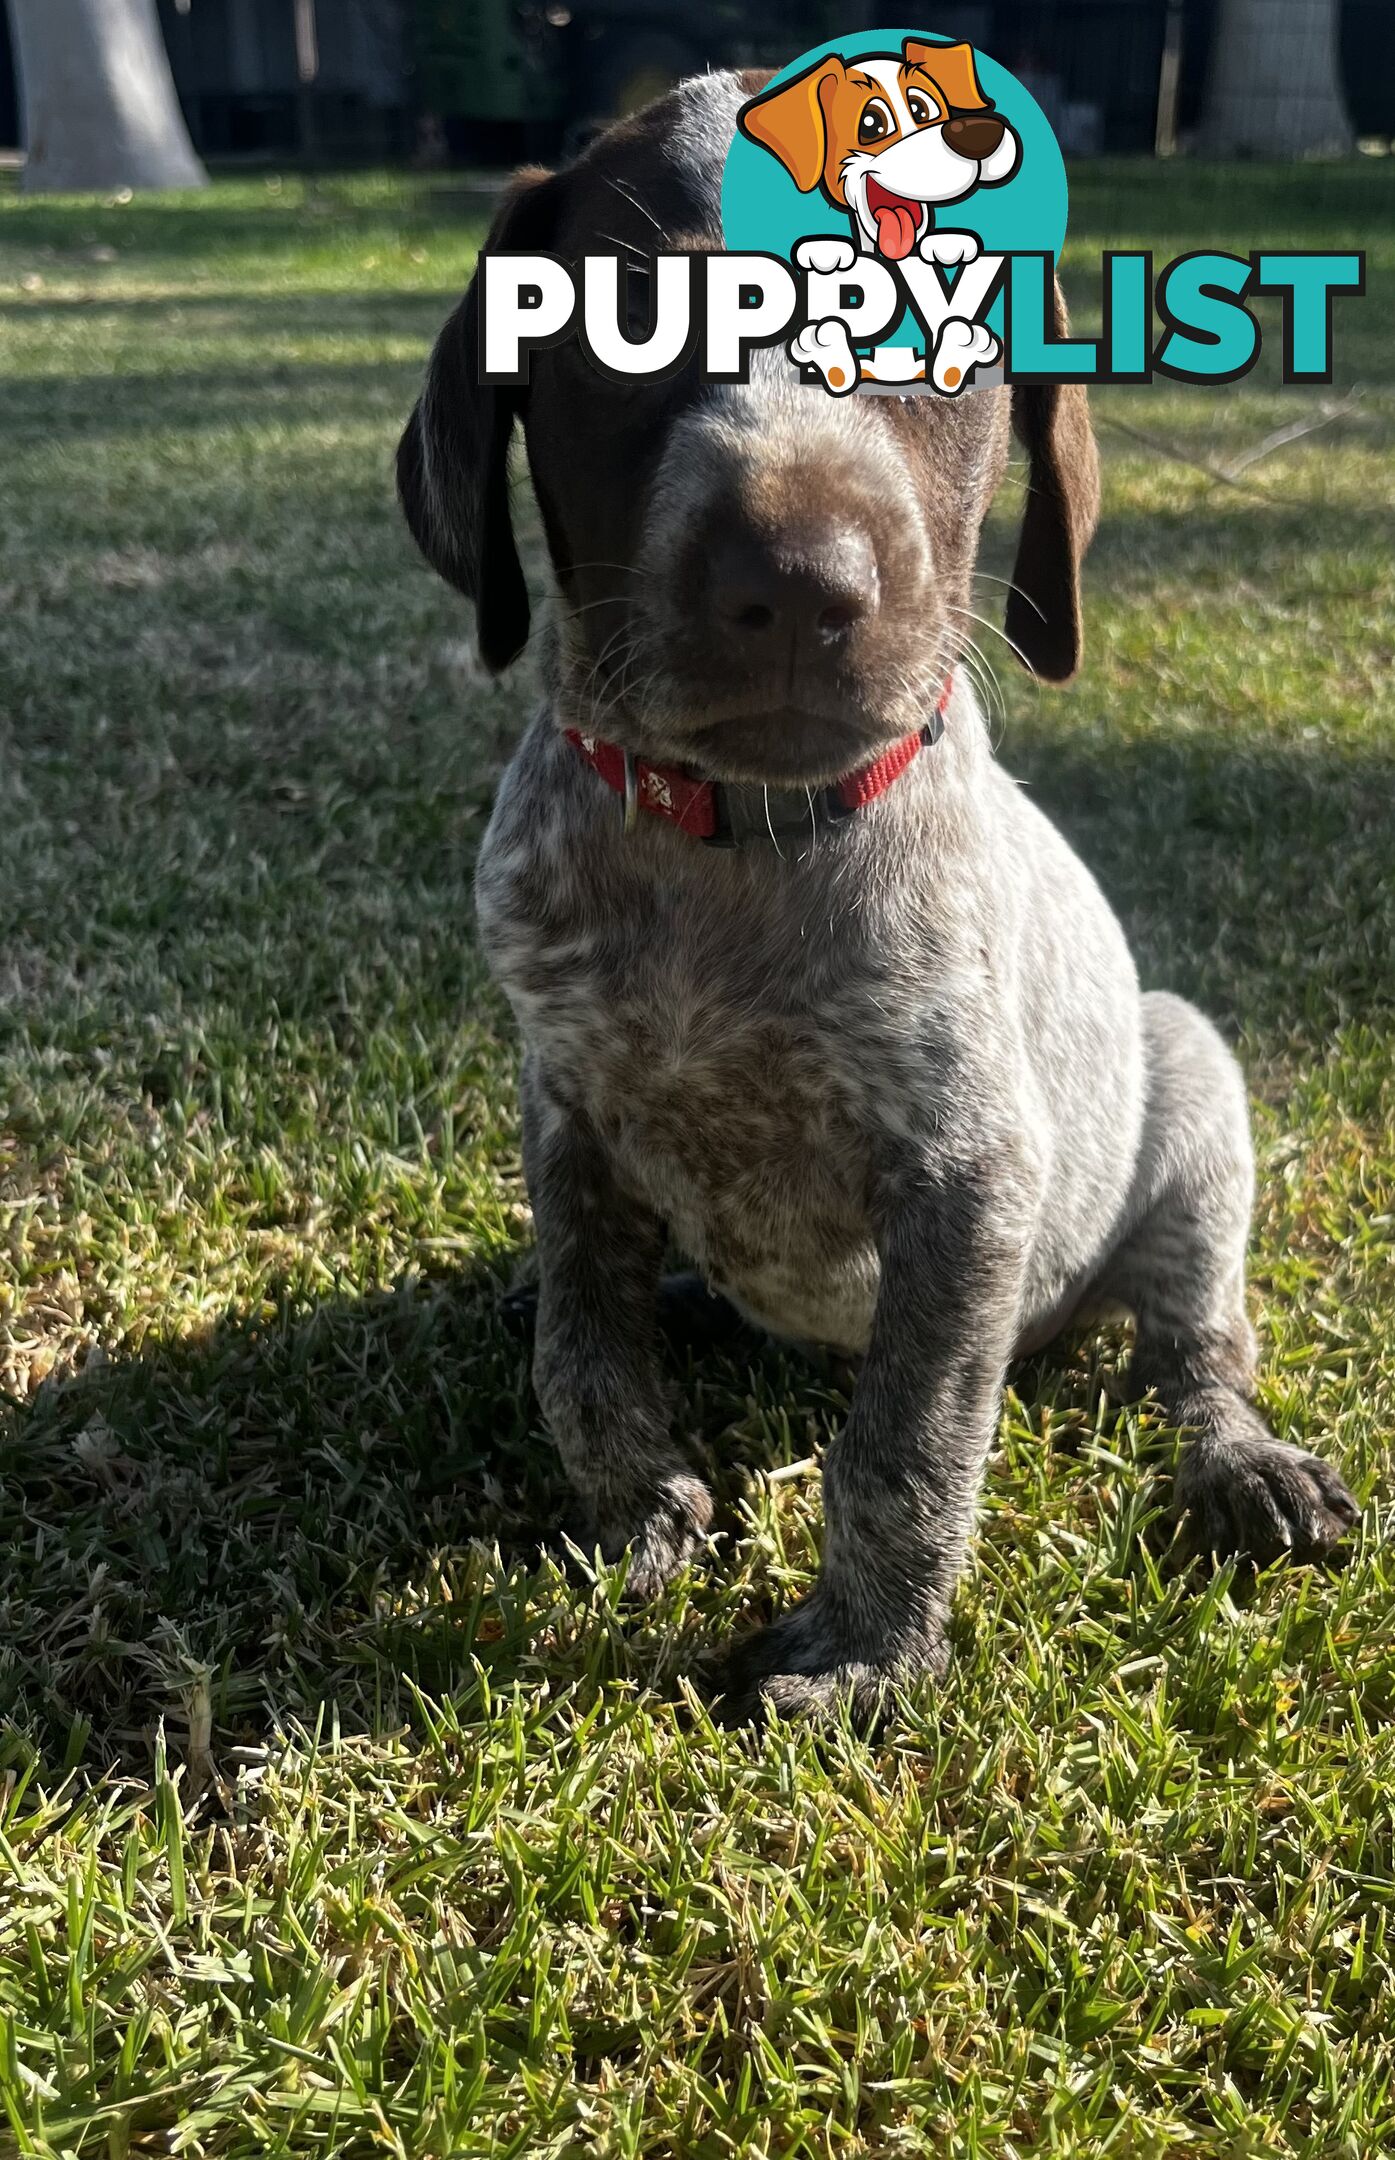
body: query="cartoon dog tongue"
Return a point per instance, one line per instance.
(896, 223)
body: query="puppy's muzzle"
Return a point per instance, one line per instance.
(795, 597)
(974, 135)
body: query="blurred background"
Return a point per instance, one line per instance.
(486, 82)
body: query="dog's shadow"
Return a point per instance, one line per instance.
(250, 1522)
(279, 1512)
(238, 1528)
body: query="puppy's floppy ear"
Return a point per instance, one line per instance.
(453, 459)
(951, 69)
(1052, 422)
(791, 121)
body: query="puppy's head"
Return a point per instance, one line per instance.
(888, 137)
(756, 579)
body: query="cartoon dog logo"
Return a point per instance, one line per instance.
(890, 138)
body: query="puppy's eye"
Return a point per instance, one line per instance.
(876, 122)
(919, 108)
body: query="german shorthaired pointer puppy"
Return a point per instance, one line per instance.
(806, 983)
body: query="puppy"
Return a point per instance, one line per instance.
(887, 137)
(805, 982)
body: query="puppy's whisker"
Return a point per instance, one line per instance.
(984, 682)
(994, 705)
(987, 624)
(606, 694)
(978, 663)
(769, 822)
(612, 694)
(612, 644)
(636, 694)
(597, 660)
(993, 719)
(588, 607)
(996, 630)
(1011, 585)
(598, 562)
(622, 687)
(627, 195)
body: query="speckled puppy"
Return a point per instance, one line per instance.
(887, 1076)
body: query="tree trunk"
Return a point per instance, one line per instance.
(1274, 89)
(100, 111)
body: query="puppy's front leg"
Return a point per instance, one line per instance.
(595, 1357)
(901, 1481)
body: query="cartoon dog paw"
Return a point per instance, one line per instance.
(827, 256)
(827, 347)
(950, 247)
(962, 347)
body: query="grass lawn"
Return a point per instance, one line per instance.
(341, 1812)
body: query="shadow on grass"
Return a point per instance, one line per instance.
(320, 384)
(255, 218)
(285, 1512)
(210, 401)
(1199, 204)
(266, 1501)
(1289, 545)
(1255, 881)
(286, 311)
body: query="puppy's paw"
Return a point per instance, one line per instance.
(825, 255)
(805, 1665)
(1244, 1493)
(962, 347)
(950, 247)
(660, 1517)
(827, 347)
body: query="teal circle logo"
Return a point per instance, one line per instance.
(765, 211)
(885, 138)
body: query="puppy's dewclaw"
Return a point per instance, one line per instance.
(827, 347)
(961, 347)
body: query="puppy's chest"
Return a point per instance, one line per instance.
(720, 1059)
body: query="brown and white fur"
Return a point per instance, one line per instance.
(894, 1088)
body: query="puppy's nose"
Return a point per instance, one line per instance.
(812, 589)
(974, 135)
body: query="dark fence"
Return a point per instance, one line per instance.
(474, 68)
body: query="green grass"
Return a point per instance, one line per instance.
(340, 1810)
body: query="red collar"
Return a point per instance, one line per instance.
(724, 814)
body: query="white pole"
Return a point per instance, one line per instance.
(98, 99)
(1274, 90)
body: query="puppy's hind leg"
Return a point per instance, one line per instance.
(1180, 1268)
